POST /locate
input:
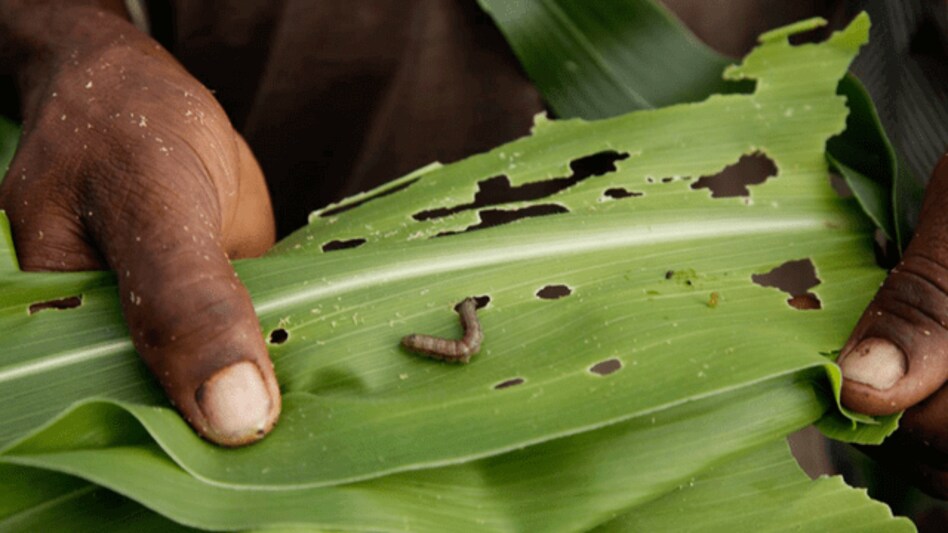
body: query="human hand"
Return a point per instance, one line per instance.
(127, 162)
(897, 356)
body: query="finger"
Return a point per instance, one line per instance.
(898, 353)
(249, 229)
(47, 240)
(189, 316)
(47, 229)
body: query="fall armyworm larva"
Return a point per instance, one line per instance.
(452, 351)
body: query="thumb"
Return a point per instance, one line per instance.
(190, 318)
(898, 353)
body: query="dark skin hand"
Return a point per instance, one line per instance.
(128, 163)
(897, 356)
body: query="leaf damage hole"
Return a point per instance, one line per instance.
(497, 190)
(70, 302)
(805, 302)
(353, 205)
(554, 292)
(885, 250)
(739, 87)
(278, 336)
(733, 181)
(795, 278)
(498, 217)
(343, 244)
(839, 185)
(812, 36)
(604, 368)
(482, 302)
(618, 193)
(684, 276)
(508, 383)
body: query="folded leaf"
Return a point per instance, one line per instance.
(765, 488)
(584, 479)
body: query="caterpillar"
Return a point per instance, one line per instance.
(450, 350)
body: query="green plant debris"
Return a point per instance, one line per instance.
(714, 299)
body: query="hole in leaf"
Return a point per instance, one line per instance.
(668, 179)
(279, 336)
(497, 190)
(343, 208)
(482, 302)
(70, 302)
(498, 217)
(683, 276)
(604, 368)
(810, 36)
(839, 185)
(805, 302)
(553, 292)
(795, 278)
(342, 245)
(509, 383)
(739, 87)
(885, 250)
(750, 169)
(618, 193)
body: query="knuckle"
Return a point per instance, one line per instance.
(917, 290)
(210, 313)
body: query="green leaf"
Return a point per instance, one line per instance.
(864, 157)
(9, 136)
(907, 194)
(600, 59)
(765, 488)
(380, 434)
(766, 485)
(635, 55)
(77, 506)
(584, 479)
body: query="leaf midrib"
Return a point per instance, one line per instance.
(550, 244)
(542, 245)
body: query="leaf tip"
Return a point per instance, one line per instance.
(784, 32)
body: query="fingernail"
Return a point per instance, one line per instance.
(874, 362)
(236, 404)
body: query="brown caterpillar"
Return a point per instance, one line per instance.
(452, 351)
